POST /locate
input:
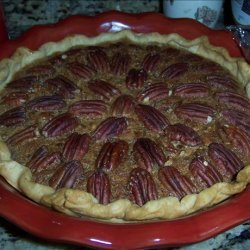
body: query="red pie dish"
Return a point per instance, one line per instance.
(144, 233)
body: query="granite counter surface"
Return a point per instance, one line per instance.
(22, 14)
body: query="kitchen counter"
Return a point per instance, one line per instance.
(21, 15)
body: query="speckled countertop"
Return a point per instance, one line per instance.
(22, 14)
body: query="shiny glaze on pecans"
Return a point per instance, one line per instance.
(237, 137)
(76, 146)
(24, 135)
(41, 70)
(195, 112)
(111, 155)
(89, 108)
(237, 118)
(123, 106)
(147, 154)
(15, 99)
(120, 64)
(60, 125)
(154, 92)
(141, 186)
(205, 172)
(25, 83)
(174, 70)
(42, 159)
(184, 134)
(81, 70)
(152, 118)
(136, 78)
(67, 175)
(233, 100)
(226, 161)
(13, 117)
(179, 185)
(224, 82)
(98, 60)
(37, 156)
(103, 89)
(46, 103)
(99, 186)
(62, 86)
(190, 90)
(111, 127)
(151, 62)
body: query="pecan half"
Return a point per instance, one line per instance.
(41, 70)
(99, 186)
(67, 176)
(76, 146)
(224, 82)
(142, 186)
(208, 67)
(147, 154)
(112, 126)
(179, 185)
(123, 105)
(24, 135)
(195, 112)
(60, 125)
(184, 134)
(226, 161)
(152, 118)
(13, 117)
(81, 70)
(120, 63)
(111, 155)
(136, 78)
(237, 137)
(99, 61)
(89, 108)
(41, 159)
(233, 100)
(103, 89)
(15, 99)
(66, 56)
(150, 62)
(46, 103)
(191, 90)
(174, 70)
(24, 83)
(154, 92)
(237, 118)
(62, 86)
(205, 172)
(39, 154)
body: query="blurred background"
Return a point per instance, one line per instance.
(22, 14)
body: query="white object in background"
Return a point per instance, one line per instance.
(204, 11)
(241, 11)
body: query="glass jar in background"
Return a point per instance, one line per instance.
(241, 11)
(204, 11)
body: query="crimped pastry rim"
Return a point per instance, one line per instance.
(79, 203)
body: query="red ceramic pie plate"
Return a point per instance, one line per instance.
(51, 225)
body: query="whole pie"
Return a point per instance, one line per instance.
(125, 126)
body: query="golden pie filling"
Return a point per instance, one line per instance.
(127, 122)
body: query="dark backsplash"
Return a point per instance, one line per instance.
(22, 14)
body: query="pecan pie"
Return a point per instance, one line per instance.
(125, 126)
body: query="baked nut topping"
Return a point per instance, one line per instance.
(131, 126)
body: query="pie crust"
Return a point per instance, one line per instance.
(80, 203)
